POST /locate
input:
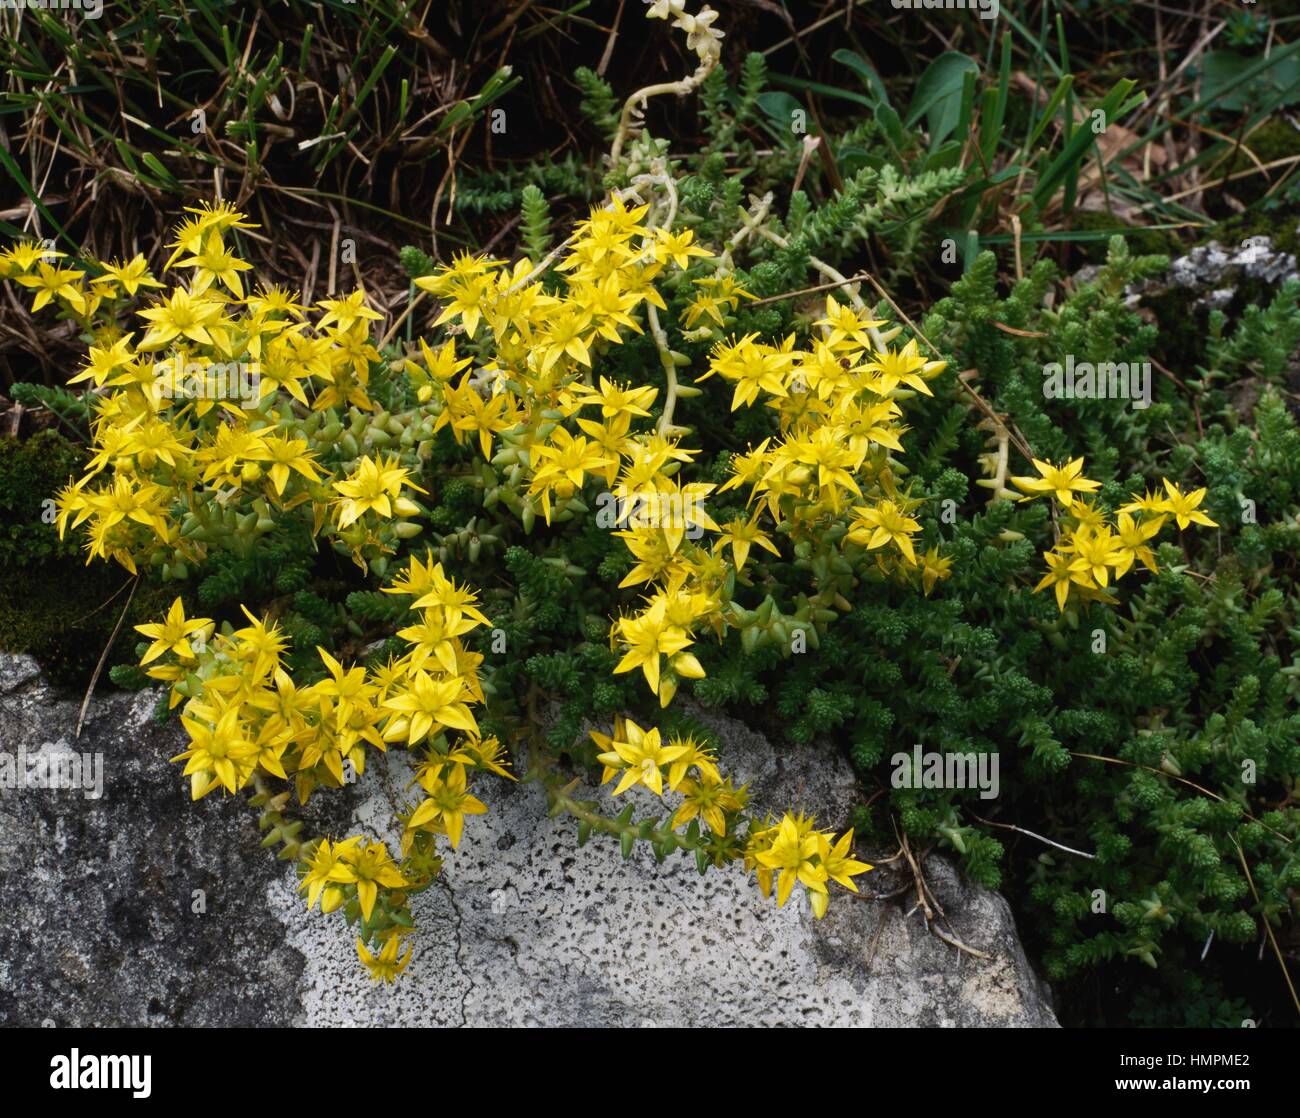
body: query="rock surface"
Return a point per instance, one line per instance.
(1212, 271)
(525, 928)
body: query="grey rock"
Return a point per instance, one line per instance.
(524, 928)
(1212, 271)
(1255, 258)
(98, 894)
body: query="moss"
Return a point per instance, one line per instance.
(31, 473)
(1141, 240)
(1274, 139)
(61, 613)
(1284, 235)
(54, 606)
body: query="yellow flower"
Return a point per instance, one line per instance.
(457, 603)
(1183, 506)
(130, 276)
(1061, 572)
(1133, 535)
(49, 281)
(1060, 481)
(440, 366)
(697, 756)
(467, 299)
(885, 523)
(712, 800)
(847, 327)
(385, 966)
(641, 758)
(840, 864)
(347, 686)
(368, 868)
(263, 642)
(234, 456)
(183, 315)
(287, 454)
(215, 263)
(740, 535)
(172, 634)
(218, 754)
(615, 399)
(425, 703)
(794, 855)
(344, 313)
(24, 256)
(467, 411)
(565, 335)
(677, 247)
(904, 366)
(647, 637)
(324, 868)
(375, 485)
(753, 366)
(1095, 551)
(934, 568)
(1149, 504)
(561, 467)
(105, 360)
(448, 803)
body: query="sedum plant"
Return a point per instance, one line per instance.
(676, 453)
(231, 420)
(184, 469)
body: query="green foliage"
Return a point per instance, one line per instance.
(31, 474)
(598, 103)
(1146, 824)
(535, 233)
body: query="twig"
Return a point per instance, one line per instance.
(1268, 928)
(1181, 780)
(103, 656)
(1031, 834)
(804, 291)
(953, 941)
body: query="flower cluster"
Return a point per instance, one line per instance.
(229, 416)
(788, 851)
(1096, 545)
(701, 36)
(226, 411)
(177, 473)
(248, 721)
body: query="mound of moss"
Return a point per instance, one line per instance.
(53, 605)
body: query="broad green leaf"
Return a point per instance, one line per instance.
(938, 95)
(865, 71)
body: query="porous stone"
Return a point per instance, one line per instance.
(524, 928)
